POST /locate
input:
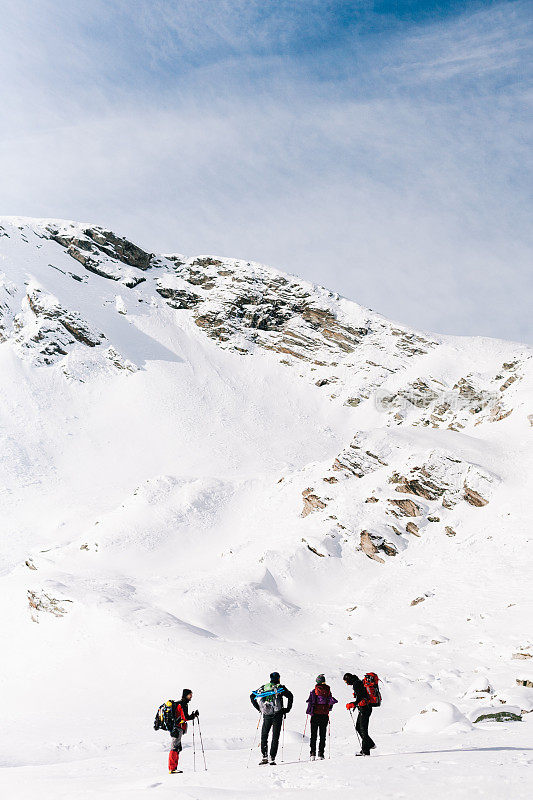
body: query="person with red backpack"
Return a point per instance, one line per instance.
(367, 697)
(319, 704)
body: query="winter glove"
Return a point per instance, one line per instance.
(196, 714)
(350, 706)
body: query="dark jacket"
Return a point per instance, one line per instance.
(285, 693)
(181, 715)
(359, 692)
(312, 701)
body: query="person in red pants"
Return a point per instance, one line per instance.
(181, 716)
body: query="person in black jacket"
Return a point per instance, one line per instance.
(365, 709)
(181, 716)
(268, 700)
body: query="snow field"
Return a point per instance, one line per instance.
(144, 511)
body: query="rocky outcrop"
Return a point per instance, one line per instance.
(179, 298)
(369, 547)
(407, 508)
(102, 252)
(470, 400)
(47, 331)
(312, 502)
(41, 602)
(422, 487)
(47, 307)
(474, 498)
(372, 544)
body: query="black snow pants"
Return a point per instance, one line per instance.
(362, 729)
(319, 723)
(274, 722)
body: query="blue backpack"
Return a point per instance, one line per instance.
(269, 698)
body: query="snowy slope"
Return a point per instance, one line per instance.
(211, 470)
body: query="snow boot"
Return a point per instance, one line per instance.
(312, 757)
(264, 760)
(272, 762)
(175, 771)
(321, 758)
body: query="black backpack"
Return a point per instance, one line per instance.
(165, 718)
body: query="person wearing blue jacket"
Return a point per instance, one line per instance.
(268, 700)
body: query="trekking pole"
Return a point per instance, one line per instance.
(303, 737)
(201, 742)
(283, 739)
(329, 738)
(255, 738)
(356, 731)
(193, 748)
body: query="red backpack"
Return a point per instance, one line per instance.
(323, 694)
(370, 682)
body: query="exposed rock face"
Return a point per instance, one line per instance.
(432, 403)
(358, 461)
(48, 308)
(372, 543)
(408, 508)
(369, 548)
(421, 487)
(40, 602)
(311, 502)
(347, 355)
(430, 482)
(46, 330)
(474, 498)
(179, 298)
(98, 249)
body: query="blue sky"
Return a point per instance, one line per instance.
(380, 148)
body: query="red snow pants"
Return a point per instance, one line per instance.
(173, 758)
(175, 749)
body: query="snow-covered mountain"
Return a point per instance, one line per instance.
(211, 469)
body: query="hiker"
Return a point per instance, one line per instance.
(319, 704)
(363, 703)
(173, 717)
(268, 700)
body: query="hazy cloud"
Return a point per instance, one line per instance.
(387, 160)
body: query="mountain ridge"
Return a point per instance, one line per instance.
(212, 472)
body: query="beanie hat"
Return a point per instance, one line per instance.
(320, 678)
(185, 692)
(348, 677)
(274, 677)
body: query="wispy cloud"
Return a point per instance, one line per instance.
(388, 162)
